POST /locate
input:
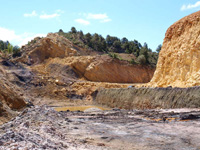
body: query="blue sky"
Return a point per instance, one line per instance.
(143, 20)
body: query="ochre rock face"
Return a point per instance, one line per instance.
(103, 69)
(106, 69)
(179, 60)
(10, 98)
(49, 47)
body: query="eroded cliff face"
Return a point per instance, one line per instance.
(10, 99)
(179, 64)
(80, 76)
(52, 68)
(106, 69)
(55, 51)
(101, 69)
(41, 49)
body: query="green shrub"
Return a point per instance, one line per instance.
(141, 59)
(113, 55)
(132, 61)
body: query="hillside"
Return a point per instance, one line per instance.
(111, 44)
(176, 81)
(53, 69)
(63, 91)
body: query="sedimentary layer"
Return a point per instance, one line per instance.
(179, 64)
(146, 98)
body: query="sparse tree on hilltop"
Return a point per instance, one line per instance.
(96, 42)
(158, 48)
(73, 30)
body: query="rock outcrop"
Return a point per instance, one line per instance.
(55, 50)
(179, 63)
(106, 69)
(51, 46)
(102, 69)
(10, 99)
(54, 68)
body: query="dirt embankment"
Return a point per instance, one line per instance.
(10, 97)
(147, 98)
(99, 69)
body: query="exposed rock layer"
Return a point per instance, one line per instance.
(51, 46)
(146, 98)
(101, 69)
(106, 69)
(10, 99)
(179, 63)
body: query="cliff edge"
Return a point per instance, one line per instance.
(179, 64)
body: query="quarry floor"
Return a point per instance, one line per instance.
(41, 127)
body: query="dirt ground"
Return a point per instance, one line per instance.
(42, 127)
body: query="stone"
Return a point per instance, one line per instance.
(179, 64)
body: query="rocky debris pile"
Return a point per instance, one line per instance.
(37, 128)
(40, 49)
(178, 64)
(11, 98)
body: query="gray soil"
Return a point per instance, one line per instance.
(40, 127)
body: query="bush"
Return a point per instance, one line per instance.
(132, 61)
(141, 60)
(113, 55)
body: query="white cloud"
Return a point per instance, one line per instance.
(45, 16)
(6, 34)
(33, 14)
(50, 16)
(17, 39)
(60, 11)
(106, 20)
(101, 17)
(97, 16)
(190, 6)
(26, 37)
(82, 21)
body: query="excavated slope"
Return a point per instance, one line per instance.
(100, 69)
(179, 63)
(106, 69)
(10, 99)
(41, 49)
(150, 98)
(85, 63)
